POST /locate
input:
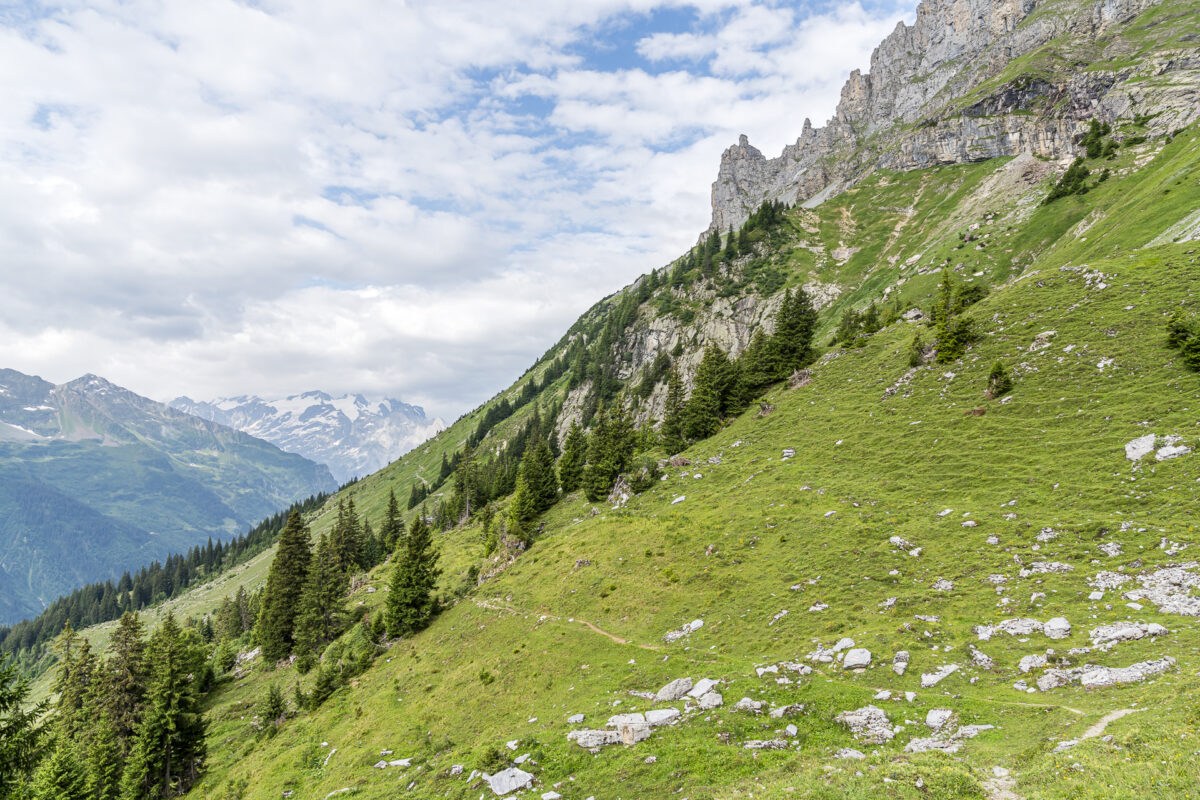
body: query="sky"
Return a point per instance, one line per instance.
(414, 199)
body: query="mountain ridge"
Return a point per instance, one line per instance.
(98, 479)
(353, 434)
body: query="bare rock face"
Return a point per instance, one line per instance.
(918, 105)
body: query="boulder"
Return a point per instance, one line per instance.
(701, 688)
(869, 723)
(847, 752)
(746, 704)
(1030, 663)
(931, 679)
(900, 662)
(510, 780)
(588, 739)
(842, 644)
(625, 719)
(661, 716)
(675, 690)
(711, 700)
(1139, 448)
(768, 744)
(1125, 632)
(786, 711)
(575, 719)
(939, 718)
(1057, 628)
(858, 658)
(1096, 677)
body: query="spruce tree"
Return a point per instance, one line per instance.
(672, 424)
(702, 414)
(391, 528)
(105, 761)
(538, 466)
(794, 328)
(20, 735)
(320, 614)
(61, 776)
(169, 749)
(522, 510)
(610, 450)
(124, 680)
(285, 583)
(759, 366)
(346, 539)
(411, 602)
(570, 466)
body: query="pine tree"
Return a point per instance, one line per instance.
(77, 671)
(702, 414)
(672, 424)
(285, 583)
(391, 529)
(320, 614)
(411, 603)
(794, 328)
(272, 710)
(346, 539)
(105, 761)
(538, 466)
(124, 680)
(610, 450)
(522, 510)
(570, 466)
(20, 735)
(759, 366)
(169, 749)
(61, 776)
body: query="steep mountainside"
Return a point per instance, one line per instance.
(888, 577)
(353, 434)
(977, 79)
(95, 479)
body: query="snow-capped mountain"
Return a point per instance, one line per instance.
(353, 434)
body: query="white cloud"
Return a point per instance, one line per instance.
(414, 198)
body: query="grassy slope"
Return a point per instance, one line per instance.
(755, 525)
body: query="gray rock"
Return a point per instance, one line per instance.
(1032, 662)
(939, 718)
(847, 752)
(509, 781)
(931, 679)
(625, 719)
(1108, 676)
(675, 690)
(768, 744)
(702, 687)
(575, 719)
(868, 723)
(588, 739)
(786, 711)
(661, 716)
(1125, 632)
(900, 662)
(1057, 628)
(711, 700)
(858, 658)
(746, 704)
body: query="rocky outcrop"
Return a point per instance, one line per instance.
(933, 95)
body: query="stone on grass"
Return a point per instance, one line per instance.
(746, 704)
(1030, 663)
(858, 658)
(869, 723)
(509, 781)
(575, 719)
(1125, 632)
(711, 700)
(900, 662)
(675, 690)
(938, 718)
(931, 679)
(701, 688)
(661, 716)
(786, 711)
(1057, 628)
(847, 752)
(768, 744)
(588, 739)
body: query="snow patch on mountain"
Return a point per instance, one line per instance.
(354, 434)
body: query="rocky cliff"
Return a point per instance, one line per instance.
(971, 80)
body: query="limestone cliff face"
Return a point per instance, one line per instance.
(936, 93)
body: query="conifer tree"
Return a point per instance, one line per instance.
(285, 583)
(124, 680)
(522, 510)
(702, 414)
(759, 366)
(570, 466)
(610, 450)
(321, 610)
(77, 671)
(538, 466)
(346, 539)
(169, 748)
(61, 776)
(272, 710)
(794, 328)
(391, 529)
(20, 735)
(104, 761)
(672, 424)
(411, 603)
(372, 550)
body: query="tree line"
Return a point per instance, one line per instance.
(104, 601)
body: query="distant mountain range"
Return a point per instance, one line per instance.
(95, 479)
(353, 434)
